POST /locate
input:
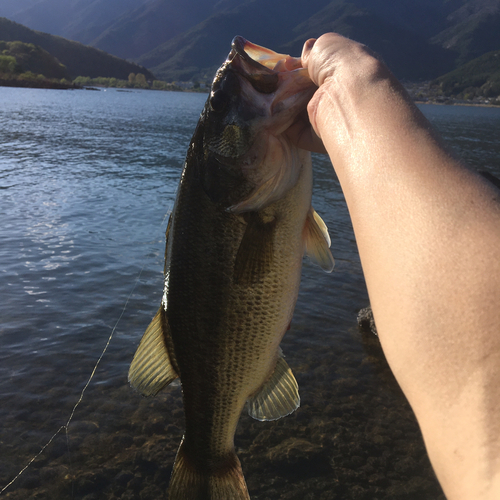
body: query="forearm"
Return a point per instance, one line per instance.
(428, 233)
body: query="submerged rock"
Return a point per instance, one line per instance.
(366, 322)
(296, 456)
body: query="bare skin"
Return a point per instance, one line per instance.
(428, 233)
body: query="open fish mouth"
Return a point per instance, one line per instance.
(262, 57)
(269, 71)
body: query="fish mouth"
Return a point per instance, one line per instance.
(270, 72)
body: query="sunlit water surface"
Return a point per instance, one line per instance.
(86, 182)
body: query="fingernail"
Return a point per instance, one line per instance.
(307, 49)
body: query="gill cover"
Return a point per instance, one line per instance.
(256, 95)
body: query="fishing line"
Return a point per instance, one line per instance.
(66, 425)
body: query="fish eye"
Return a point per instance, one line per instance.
(219, 100)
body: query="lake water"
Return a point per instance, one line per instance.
(86, 183)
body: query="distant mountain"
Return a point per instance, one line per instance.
(79, 59)
(473, 29)
(200, 50)
(80, 20)
(424, 17)
(9, 8)
(409, 55)
(182, 39)
(150, 25)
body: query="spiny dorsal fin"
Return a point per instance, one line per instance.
(167, 234)
(256, 252)
(278, 397)
(151, 369)
(318, 241)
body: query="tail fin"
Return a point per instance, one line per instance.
(226, 482)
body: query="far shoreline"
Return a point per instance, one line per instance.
(466, 104)
(38, 84)
(47, 84)
(50, 85)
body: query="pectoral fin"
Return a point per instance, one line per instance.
(317, 241)
(284, 161)
(261, 197)
(151, 369)
(256, 251)
(278, 397)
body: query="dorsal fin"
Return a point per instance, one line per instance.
(278, 397)
(151, 369)
(317, 241)
(167, 234)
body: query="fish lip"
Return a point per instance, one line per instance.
(238, 43)
(238, 48)
(249, 68)
(272, 61)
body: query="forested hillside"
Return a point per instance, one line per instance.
(30, 58)
(79, 59)
(479, 77)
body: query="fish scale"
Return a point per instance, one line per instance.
(242, 343)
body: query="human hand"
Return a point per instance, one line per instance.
(329, 59)
(341, 68)
(332, 53)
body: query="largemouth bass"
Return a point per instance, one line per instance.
(241, 223)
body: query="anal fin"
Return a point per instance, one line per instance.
(278, 397)
(151, 369)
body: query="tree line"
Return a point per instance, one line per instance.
(134, 81)
(11, 73)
